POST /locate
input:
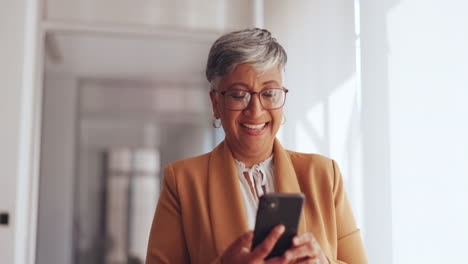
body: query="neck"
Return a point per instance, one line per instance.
(251, 160)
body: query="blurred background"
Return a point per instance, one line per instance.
(96, 97)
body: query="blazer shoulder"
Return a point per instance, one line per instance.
(309, 158)
(314, 168)
(190, 163)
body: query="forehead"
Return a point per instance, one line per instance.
(246, 75)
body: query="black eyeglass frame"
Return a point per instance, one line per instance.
(251, 95)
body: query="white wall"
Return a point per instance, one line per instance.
(322, 108)
(18, 30)
(11, 74)
(375, 132)
(57, 183)
(427, 69)
(414, 67)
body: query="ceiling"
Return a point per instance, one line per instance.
(126, 56)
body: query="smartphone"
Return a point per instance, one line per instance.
(275, 209)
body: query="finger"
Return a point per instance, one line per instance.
(310, 261)
(301, 252)
(262, 250)
(303, 239)
(239, 243)
(276, 260)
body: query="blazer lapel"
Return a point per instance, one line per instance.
(227, 213)
(286, 178)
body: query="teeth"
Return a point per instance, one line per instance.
(260, 126)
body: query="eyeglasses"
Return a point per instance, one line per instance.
(238, 100)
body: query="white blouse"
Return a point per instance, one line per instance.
(261, 177)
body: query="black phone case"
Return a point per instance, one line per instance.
(275, 209)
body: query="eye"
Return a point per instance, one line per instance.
(270, 93)
(237, 94)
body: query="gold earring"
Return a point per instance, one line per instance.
(284, 120)
(216, 125)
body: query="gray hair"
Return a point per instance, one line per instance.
(255, 46)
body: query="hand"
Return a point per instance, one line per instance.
(239, 252)
(305, 249)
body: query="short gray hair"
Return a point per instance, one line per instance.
(255, 46)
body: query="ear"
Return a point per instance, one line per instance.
(214, 104)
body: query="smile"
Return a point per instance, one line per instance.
(254, 126)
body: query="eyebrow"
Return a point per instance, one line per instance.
(247, 86)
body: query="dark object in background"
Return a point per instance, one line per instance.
(134, 260)
(4, 218)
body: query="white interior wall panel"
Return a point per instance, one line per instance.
(56, 189)
(18, 118)
(11, 75)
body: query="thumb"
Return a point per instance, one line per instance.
(240, 243)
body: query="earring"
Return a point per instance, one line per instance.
(284, 120)
(216, 124)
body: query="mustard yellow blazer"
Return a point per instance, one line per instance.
(200, 210)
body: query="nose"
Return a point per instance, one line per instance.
(255, 107)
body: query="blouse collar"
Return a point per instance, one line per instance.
(262, 166)
(260, 172)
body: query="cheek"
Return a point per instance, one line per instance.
(229, 120)
(277, 117)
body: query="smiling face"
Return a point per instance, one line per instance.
(250, 133)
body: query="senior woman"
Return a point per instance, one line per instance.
(207, 207)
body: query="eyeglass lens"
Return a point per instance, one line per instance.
(240, 99)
